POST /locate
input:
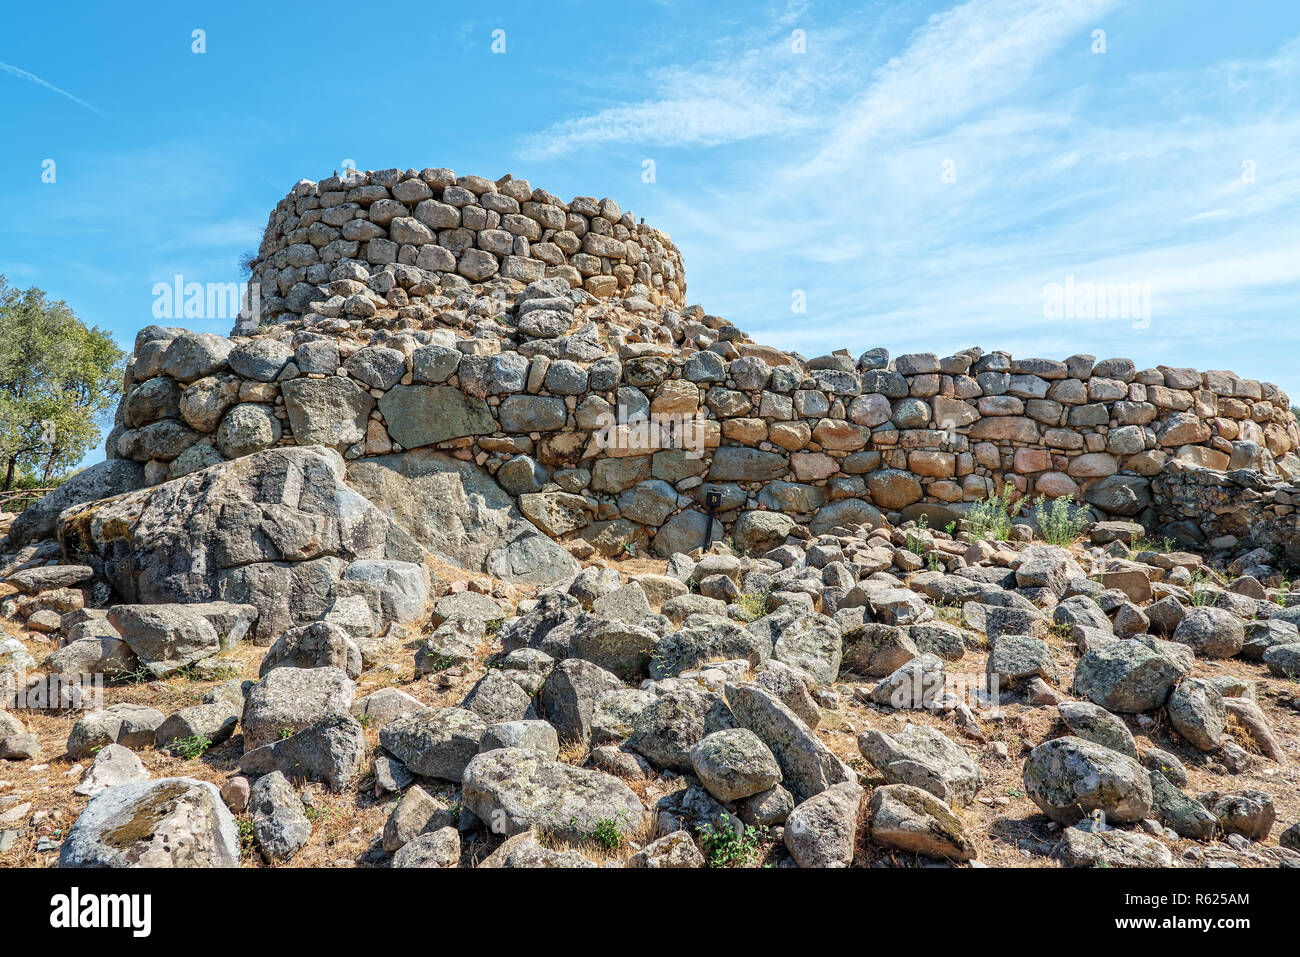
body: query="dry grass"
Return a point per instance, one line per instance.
(574, 751)
(1241, 735)
(447, 572)
(630, 565)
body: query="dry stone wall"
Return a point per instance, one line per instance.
(1239, 512)
(610, 411)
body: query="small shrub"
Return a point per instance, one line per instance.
(992, 518)
(725, 847)
(949, 613)
(916, 542)
(1205, 596)
(607, 835)
(1058, 521)
(1146, 544)
(247, 841)
(214, 669)
(437, 663)
(141, 675)
(573, 751)
(754, 603)
(190, 747)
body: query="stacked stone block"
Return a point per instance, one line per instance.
(827, 442)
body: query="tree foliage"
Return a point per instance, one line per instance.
(59, 380)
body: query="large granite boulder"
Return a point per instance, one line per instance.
(130, 725)
(924, 758)
(915, 821)
(1198, 714)
(735, 763)
(758, 532)
(276, 529)
(279, 824)
(1094, 723)
(321, 644)
(168, 637)
(514, 789)
(1212, 632)
(1112, 848)
(286, 700)
(113, 765)
(822, 831)
(419, 415)
(685, 532)
(171, 822)
(1127, 676)
(704, 638)
(1247, 812)
(668, 731)
(569, 694)
(810, 642)
(1180, 812)
(332, 411)
(459, 512)
(102, 480)
(332, 751)
(808, 767)
(1069, 778)
(435, 743)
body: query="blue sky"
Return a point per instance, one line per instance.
(918, 174)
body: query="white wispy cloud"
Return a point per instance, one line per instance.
(681, 121)
(964, 59)
(754, 85)
(1124, 177)
(33, 78)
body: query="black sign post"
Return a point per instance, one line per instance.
(712, 499)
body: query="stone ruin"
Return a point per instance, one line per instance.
(449, 368)
(514, 380)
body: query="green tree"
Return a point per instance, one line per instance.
(59, 379)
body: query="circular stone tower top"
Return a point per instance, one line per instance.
(456, 231)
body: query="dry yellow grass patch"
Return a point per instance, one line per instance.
(574, 751)
(1241, 734)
